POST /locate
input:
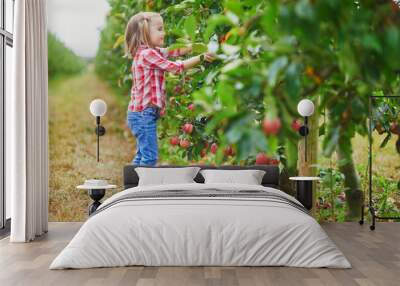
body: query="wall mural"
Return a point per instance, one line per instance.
(238, 105)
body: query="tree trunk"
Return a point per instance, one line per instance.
(307, 168)
(354, 195)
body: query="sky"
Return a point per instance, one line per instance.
(77, 23)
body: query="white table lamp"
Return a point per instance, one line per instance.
(305, 109)
(98, 108)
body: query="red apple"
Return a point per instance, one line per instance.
(191, 106)
(296, 125)
(262, 159)
(187, 128)
(228, 151)
(206, 144)
(214, 148)
(178, 89)
(272, 126)
(327, 205)
(203, 153)
(174, 141)
(184, 143)
(274, 161)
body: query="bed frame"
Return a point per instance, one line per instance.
(270, 179)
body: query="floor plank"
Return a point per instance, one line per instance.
(374, 255)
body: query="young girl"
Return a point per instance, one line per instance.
(144, 39)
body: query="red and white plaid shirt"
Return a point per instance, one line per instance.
(148, 84)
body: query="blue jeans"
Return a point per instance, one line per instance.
(143, 125)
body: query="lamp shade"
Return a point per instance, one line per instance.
(98, 107)
(305, 107)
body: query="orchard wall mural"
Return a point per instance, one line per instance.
(241, 108)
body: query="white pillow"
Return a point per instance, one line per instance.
(249, 177)
(165, 176)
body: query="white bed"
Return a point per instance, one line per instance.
(206, 230)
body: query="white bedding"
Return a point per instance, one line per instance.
(200, 231)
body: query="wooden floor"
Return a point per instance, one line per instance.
(375, 257)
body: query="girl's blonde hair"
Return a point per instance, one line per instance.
(138, 32)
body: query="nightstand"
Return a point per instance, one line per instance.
(96, 193)
(305, 190)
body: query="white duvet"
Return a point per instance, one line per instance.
(200, 231)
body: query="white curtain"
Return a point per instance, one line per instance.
(27, 123)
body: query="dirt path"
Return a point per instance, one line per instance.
(73, 143)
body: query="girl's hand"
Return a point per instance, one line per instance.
(193, 61)
(209, 57)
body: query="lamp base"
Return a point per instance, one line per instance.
(96, 195)
(303, 131)
(100, 130)
(305, 193)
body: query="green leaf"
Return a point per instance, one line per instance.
(304, 10)
(210, 77)
(179, 7)
(286, 44)
(176, 46)
(213, 22)
(225, 94)
(392, 46)
(190, 27)
(199, 48)
(371, 42)
(213, 124)
(120, 40)
(232, 65)
(233, 17)
(293, 84)
(250, 144)
(331, 141)
(183, 40)
(258, 141)
(275, 68)
(269, 19)
(347, 61)
(234, 6)
(272, 143)
(233, 135)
